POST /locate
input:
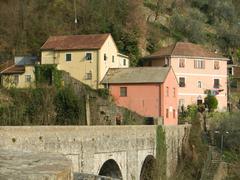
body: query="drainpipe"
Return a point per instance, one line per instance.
(160, 118)
(88, 112)
(98, 64)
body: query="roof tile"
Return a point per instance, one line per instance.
(14, 69)
(75, 42)
(184, 49)
(136, 75)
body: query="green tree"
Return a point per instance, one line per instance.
(211, 102)
(188, 27)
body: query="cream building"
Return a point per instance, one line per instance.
(18, 74)
(86, 57)
(198, 70)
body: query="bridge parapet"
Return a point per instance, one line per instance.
(89, 147)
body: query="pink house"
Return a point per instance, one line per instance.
(149, 91)
(198, 70)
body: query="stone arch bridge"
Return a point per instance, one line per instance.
(116, 151)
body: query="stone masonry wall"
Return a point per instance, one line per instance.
(102, 110)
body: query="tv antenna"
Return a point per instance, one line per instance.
(75, 16)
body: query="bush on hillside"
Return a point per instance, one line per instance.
(226, 125)
(190, 27)
(186, 115)
(194, 152)
(48, 74)
(28, 107)
(70, 109)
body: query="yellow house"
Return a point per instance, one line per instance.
(86, 57)
(19, 73)
(18, 76)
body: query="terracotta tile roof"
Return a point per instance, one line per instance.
(14, 69)
(136, 75)
(75, 42)
(6, 65)
(184, 49)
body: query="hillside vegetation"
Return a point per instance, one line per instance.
(139, 27)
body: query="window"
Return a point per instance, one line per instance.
(68, 57)
(182, 82)
(181, 63)
(167, 91)
(105, 56)
(28, 78)
(216, 65)
(199, 84)
(199, 101)
(16, 79)
(88, 56)
(233, 84)
(174, 92)
(166, 62)
(123, 91)
(112, 58)
(199, 64)
(230, 71)
(181, 105)
(167, 113)
(88, 75)
(124, 62)
(174, 114)
(216, 83)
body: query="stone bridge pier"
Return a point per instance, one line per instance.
(117, 151)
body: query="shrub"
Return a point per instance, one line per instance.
(70, 108)
(29, 107)
(48, 74)
(188, 114)
(211, 102)
(104, 93)
(225, 128)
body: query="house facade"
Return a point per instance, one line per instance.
(86, 57)
(199, 71)
(148, 91)
(234, 78)
(18, 74)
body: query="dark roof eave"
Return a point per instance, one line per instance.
(8, 73)
(201, 57)
(115, 83)
(158, 57)
(154, 57)
(53, 49)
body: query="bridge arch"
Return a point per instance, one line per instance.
(110, 168)
(147, 170)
